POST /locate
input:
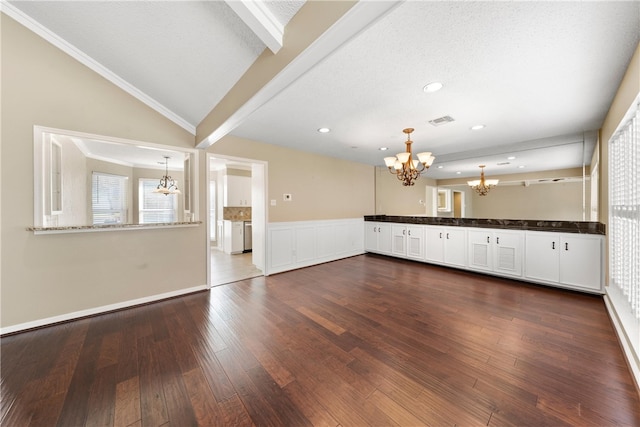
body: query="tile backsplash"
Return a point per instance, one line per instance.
(237, 213)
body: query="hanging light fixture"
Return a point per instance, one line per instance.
(167, 184)
(404, 167)
(482, 186)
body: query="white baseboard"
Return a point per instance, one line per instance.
(627, 348)
(98, 310)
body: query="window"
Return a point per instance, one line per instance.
(624, 208)
(109, 198)
(155, 208)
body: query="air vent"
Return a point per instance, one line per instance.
(441, 121)
(503, 163)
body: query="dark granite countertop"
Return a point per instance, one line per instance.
(582, 227)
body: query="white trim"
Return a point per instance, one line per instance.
(358, 18)
(98, 310)
(260, 20)
(92, 64)
(623, 339)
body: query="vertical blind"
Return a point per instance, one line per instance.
(108, 198)
(155, 208)
(624, 209)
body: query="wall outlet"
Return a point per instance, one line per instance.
(286, 197)
(273, 202)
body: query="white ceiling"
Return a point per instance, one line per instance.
(537, 74)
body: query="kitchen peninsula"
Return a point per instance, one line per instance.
(567, 254)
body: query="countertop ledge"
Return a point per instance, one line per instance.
(109, 227)
(581, 227)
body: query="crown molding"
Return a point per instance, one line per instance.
(92, 64)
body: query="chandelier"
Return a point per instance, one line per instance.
(167, 184)
(404, 167)
(482, 186)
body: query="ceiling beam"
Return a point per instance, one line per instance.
(313, 33)
(260, 20)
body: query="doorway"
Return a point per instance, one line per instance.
(458, 204)
(236, 197)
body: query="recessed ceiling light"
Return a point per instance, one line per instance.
(432, 87)
(383, 148)
(511, 158)
(458, 173)
(477, 127)
(324, 130)
(521, 167)
(440, 167)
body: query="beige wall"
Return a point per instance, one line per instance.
(554, 201)
(321, 187)
(49, 275)
(392, 198)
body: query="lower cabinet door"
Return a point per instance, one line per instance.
(480, 250)
(399, 240)
(580, 264)
(455, 246)
(434, 244)
(542, 256)
(415, 242)
(508, 252)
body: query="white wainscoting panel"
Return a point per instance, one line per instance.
(305, 248)
(326, 241)
(299, 244)
(280, 252)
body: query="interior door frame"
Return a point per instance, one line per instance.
(263, 221)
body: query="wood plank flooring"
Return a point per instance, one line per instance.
(362, 341)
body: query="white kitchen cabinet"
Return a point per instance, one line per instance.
(566, 259)
(237, 191)
(580, 261)
(377, 237)
(542, 256)
(434, 247)
(446, 245)
(233, 242)
(408, 241)
(499, 251)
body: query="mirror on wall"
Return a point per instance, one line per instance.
(90, 180)
(444, 200)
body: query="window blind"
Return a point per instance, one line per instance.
(624, 209)
(155, 208)
(109, 198)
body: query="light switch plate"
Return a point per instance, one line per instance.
(273, 202)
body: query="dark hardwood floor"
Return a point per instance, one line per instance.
(363, 341)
